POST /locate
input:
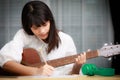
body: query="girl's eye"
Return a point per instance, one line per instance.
(35, 27)
(44, 24)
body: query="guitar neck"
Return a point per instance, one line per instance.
(68, 59)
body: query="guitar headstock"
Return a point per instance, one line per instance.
(109, 50)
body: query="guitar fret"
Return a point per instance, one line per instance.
(91, 54)
(65, 60)
(71, 59)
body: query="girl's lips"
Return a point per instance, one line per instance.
(43, 36)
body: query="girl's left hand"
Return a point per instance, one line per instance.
(81, 59)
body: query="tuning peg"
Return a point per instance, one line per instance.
(105, 44)
(88, 50)
(111, 43)
(110, 58)
(116, 43)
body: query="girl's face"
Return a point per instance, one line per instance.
(42, 31)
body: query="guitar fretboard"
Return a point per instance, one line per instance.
(68, 59)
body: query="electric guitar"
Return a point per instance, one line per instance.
(31, 57)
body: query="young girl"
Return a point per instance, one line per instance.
(39, 31)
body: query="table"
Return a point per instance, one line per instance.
(73, 77)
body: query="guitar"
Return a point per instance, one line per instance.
(31, 57)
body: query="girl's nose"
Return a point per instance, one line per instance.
(42, 30)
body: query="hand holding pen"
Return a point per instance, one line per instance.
(45, 70)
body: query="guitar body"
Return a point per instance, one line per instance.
(29, 57)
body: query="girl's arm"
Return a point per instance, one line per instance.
(78, 63)
(76, 69)
(23, 70)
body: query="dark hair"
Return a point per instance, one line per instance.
(37, 13)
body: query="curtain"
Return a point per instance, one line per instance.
(88, 22)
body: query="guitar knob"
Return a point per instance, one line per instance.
(88, 50)
(105, 44)
(110, 58)
(116, 43)
(111, 43)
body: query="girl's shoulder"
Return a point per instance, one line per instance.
(64, 35)
(22, 36)
(22, 33)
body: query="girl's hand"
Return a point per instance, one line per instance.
(45, 70)
(81, 59)
(78, 63)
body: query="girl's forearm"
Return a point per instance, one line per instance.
(19, 69)
(76, 69)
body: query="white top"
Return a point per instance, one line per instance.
(13, 49)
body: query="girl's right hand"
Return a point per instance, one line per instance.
(45, 70)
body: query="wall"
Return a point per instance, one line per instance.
(87, 21)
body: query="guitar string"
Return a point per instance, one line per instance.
(41, 52)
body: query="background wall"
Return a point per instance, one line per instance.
(115, 13)
(87, 21)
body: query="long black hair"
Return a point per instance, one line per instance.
(37, 13)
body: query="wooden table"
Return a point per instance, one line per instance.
(74, 77)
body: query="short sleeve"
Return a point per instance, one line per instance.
(70, 49)
(70, 46)
(12, 51)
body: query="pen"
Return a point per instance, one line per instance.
(41, 52)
